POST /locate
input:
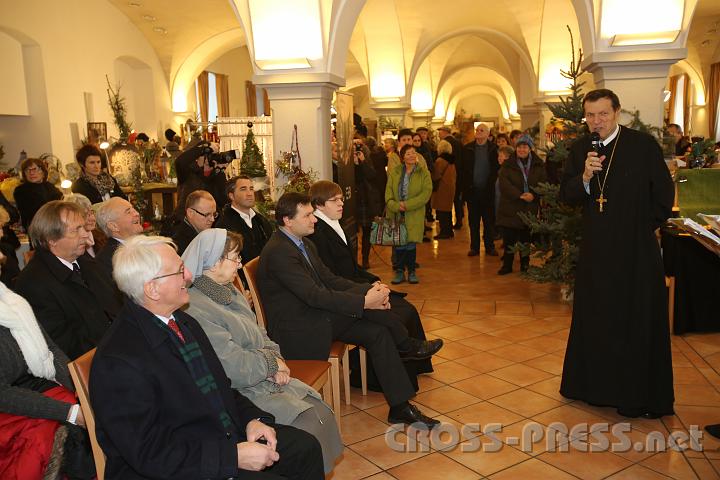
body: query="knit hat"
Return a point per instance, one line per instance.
(526, 139)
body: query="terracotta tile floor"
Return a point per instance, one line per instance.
(504, 345)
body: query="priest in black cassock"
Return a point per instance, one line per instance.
(618, 351)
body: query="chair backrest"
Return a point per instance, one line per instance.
(250, 269)
(80, 373)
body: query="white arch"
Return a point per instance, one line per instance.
(204, 54)
(508, 91)
(696, 78)
(342, 25)
(482, 89)
(481, 31)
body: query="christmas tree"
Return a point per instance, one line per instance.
(251, 163)
(557, 229)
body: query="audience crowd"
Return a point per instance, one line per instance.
(185, 383)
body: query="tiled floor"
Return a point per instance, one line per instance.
(504, 345)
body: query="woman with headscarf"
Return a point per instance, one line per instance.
(519, 175)
(96, 184)
(34, 191)
(39, 414)
(251, 360)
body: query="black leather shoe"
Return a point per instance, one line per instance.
(713, 430)
(421, 349)
(409, 415)
(492, 253)
(473, 253)
(444, 236)
(457, 226)
(505, 270)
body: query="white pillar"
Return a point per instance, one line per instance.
(306, 105)
(391, 110)
(638, 83)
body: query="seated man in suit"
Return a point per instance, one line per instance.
(308, 308)
(239, 216)
(340, 257)
(200, 214)
(163, 404)
(72, 296)
(120, 221)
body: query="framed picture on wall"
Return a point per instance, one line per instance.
(96, 132)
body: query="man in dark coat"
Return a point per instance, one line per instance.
(72, 296)
(618, 351)
(308, 308)
(163, 405)
(239, 216)
(119, 220)
(200, 214)
(196, 172)
(479, 172)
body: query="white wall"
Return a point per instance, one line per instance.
(13, 95)
(236, 65)
(76, 43)
(484, 105)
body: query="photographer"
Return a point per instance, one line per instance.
(201, 167)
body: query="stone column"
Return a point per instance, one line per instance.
(306, 105)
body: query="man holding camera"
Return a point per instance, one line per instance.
(201, 167)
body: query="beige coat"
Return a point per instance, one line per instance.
(442, 198)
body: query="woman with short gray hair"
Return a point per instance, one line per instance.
(90, 221)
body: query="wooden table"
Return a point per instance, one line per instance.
(164, 194)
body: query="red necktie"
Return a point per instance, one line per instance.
(174, 327)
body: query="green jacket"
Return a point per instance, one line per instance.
(419, 191)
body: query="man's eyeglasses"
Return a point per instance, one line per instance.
(206, 215)
(179, 272)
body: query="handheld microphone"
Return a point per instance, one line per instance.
(595, 141)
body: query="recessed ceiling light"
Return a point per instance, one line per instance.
(160, 30)
(134, 4)
(149, 18)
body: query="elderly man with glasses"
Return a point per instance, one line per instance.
(163, 404)
(200, 214)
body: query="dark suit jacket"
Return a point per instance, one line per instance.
(182, 234)
(84, 187)
(302, 302)
(29, 197)
(337, 256)
(468, 171)
(152, 421)
(253, 239)
(104, 256)
(75, 316)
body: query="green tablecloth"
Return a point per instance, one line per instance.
(700, 193)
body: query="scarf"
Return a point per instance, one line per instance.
(220, 294)
(103, 183)
(195, 361)
(404, 183)
(204, 251)
(17, 316)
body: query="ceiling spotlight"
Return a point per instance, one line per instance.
(149, 18)
(160, 30)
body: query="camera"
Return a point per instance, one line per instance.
(358, 147)
(218, 160)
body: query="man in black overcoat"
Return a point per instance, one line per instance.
(618, 351)
(72, 296)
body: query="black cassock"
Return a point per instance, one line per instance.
(618, 351)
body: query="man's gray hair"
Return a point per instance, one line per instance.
(106, 214)
(80, 199)
(136, 262)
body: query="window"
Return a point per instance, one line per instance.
(212, 97)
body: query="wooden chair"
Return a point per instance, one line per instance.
(80, 373)
(338, 350)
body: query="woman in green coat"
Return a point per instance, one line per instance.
(408, 189)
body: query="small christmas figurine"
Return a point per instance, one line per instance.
(251, 163)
